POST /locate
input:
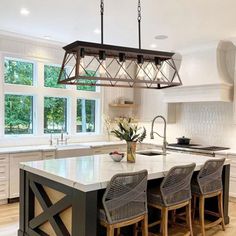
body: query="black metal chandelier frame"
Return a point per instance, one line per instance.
(154, 69)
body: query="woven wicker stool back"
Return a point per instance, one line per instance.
(175, 187)
(210, 176)
(125, 197)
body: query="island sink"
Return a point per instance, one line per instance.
(150, 153)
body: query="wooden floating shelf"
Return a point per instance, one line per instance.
(123, 105)
(115, 119)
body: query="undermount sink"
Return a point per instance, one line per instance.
(70, 146)
(150, 153)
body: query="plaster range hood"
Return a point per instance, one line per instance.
(207, 74)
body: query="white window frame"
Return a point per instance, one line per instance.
(33, 114)
(97, 117)
(35, 82)
(39, 91)
(67, 113)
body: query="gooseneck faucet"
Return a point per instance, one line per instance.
(164, 135)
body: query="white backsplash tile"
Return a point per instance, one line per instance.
(208, 123)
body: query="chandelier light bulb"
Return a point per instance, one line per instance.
(102, 68)
(122, 72)
(141, 73)
(81, 67)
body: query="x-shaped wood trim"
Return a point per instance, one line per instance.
(50, 211)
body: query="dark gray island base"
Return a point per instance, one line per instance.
(39, 205)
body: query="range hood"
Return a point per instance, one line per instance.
(207, 74)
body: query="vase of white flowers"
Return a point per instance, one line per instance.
(132, 134)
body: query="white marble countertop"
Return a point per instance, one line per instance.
(90, 173)
(20, 149)
(32, 148)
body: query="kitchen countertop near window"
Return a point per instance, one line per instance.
(86, 145)
(35, 148)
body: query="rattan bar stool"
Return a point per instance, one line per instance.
(208, 184)
(174, 193)
(125, 203)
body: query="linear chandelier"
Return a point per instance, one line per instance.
(94, 64)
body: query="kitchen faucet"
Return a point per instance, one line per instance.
(62, 140)
(164, 135)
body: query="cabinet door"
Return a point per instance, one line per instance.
(232, 187)
(49, 155)
(15, 160)
(4, 190)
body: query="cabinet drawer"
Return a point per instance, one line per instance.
(4, 158)
(4, 190)
(25, 155)
(4, 171)
(48, 155)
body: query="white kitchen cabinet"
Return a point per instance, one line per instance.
(232, 186)
(4, 190)
(4, 176)
(151, 104)
(15, 160)
(49, 155)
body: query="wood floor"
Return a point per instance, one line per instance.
(9, 217)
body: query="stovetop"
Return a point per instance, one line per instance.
(198, 147)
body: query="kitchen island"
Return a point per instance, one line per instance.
(61, 197)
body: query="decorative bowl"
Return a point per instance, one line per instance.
(116, 156)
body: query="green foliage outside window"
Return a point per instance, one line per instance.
(51, 75)
(88, 73)
(86, 115)
(18, 72)
(54, 114)
(18, 114)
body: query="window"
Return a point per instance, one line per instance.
(18, 114)
(18, 72)
(86, 110)
(31, 92)
(55, 113)
(51, 75)
(89, 73)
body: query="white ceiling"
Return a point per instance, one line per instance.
(188, 23)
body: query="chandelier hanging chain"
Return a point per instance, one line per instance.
(102, 13)
(139, 23)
